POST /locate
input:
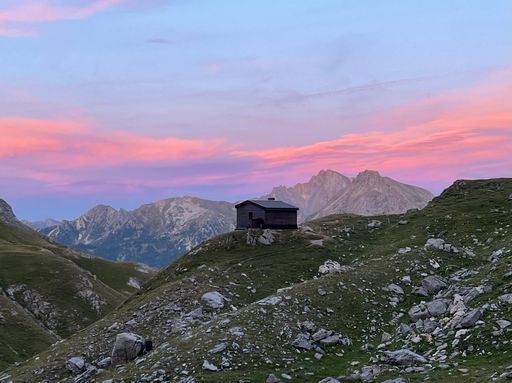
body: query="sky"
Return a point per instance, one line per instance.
(124, 102)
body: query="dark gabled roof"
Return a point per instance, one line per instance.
(268, 204)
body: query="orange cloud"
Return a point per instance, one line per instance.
(17, 21)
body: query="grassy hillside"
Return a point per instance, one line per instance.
(49, 292)
(256, 338)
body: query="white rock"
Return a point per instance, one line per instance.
(214, 299)
(270, 301)
(209, 367)
(328, 267)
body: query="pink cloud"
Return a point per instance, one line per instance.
(459, 134)
(61, 144)
(451, 133)
(18, 20)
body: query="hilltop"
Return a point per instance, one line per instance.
(417, 296)
(49, 292)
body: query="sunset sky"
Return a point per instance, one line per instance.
(124, 102)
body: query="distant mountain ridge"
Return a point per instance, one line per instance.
(159, 232)
(42, 224)
(368, 193)
(153, 234)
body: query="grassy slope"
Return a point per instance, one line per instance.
(465, 215)
(56, 274)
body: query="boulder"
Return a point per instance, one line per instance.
(214, 299)
(417, 312)
(394, 288)
(402, 357)
(420, 290)
(503, 323)
(330, 340)
(321, 334)
(470, 319)
(434, 283)
(437, 243)
(127, 347)
(396, 380)
(75, 365)
(437, 307)
(506, 298)
(303, 342)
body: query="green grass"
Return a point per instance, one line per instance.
(466, 215)
(55, 275)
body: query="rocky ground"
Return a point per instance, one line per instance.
(424, 296)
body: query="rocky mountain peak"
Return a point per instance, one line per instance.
(368, 174)
(101, 210)
(7, 215)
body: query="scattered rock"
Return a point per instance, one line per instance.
(403, 222)
(330, 340)
(218, 348)
(214, 299)
(396, 380)
(75, 365)
(303, 341)
(437, 307)
(272, 379)
(329, 267)
(270, 301)
(209, 366)
(329, 380)
(470, 319)
(417, 312)
(434, 283)
(374, 224)
(266, 238)
(104, 362)
(394, 289)
(503, 324)
(402, 357)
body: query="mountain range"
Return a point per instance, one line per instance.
(159, 232)
(48, 291)
(423, 296)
